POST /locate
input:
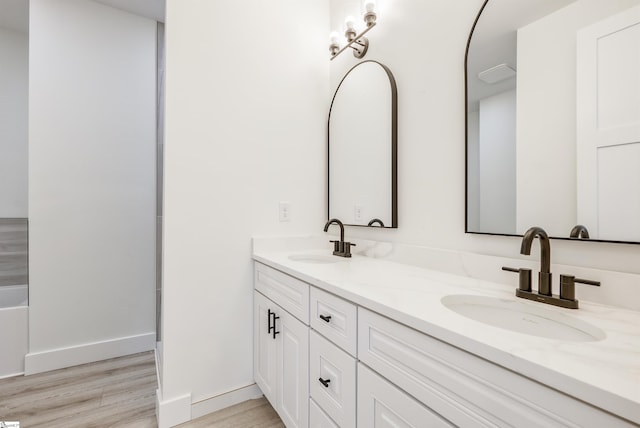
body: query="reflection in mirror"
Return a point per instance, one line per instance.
(553, 118)
(363, 148)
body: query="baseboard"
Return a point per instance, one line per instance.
(38, 362)
(213, 404)
(175, 411)
(6, 376)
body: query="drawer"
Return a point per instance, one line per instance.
(290, 293)
(467, 390)
(335, 319)
(336, 393)
(318, 418)
(382, 405)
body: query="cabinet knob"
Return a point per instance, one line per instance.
(325, 382)
(326, 318)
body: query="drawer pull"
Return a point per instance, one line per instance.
(326, 318)
(325, 382)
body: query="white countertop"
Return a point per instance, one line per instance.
(605, 373)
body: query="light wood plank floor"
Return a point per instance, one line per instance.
(114, 393)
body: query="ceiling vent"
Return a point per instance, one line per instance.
(497, 74)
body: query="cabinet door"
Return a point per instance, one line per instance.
(318, 418)
(264, 347)
(382, 405)
(332, 380)
(293, 370)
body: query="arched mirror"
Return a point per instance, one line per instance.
(362, 145)
(553, 118)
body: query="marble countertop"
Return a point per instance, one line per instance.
(605, 373)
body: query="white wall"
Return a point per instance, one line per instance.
(14, 54)
(497, 162)
(423, 42)
(91, 183)
(547, 115)
(247, 102)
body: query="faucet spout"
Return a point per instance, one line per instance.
(339, 223)
(579, 231)
(544, 282)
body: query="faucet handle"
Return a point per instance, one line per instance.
(336, 247)
(524, 277)
(567, 286)
(347, 249)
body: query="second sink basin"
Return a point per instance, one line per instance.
(522, 317)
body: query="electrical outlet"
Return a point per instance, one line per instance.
(285, 211)
(357, 212)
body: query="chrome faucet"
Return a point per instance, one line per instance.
(340, 248)
(544, 277)
(566, 298)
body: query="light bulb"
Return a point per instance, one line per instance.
(370, 5)
(350, 22)
(334, 37)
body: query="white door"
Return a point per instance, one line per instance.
(264, 347)
(293, 370)
(608, 127)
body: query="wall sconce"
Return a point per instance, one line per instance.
(355, 41)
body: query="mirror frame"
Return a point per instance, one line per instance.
(466, 155)
(394, 145)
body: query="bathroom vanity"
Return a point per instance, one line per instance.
(366, 342)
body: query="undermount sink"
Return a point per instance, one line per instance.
(314, 258)
(522, 317)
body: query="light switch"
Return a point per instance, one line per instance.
(357, 212)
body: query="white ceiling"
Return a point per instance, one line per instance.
(14, 14)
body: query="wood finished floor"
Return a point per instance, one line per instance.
(114, 393)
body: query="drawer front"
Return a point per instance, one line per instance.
(466, 390)
(332, 380)
(382, 405)
(335, 319)
(288, 292)
(318, 418)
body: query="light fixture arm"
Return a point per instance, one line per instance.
(360, 40)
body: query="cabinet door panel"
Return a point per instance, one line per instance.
(293, 370)
(338, 370)
(264, 348)
(382, 405)
(288, 292)
(318, 418)
(334, 318)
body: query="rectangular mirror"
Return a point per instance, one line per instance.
(553, 118)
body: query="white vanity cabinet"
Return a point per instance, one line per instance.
(326, 362)
(464, 389)
(281, 345)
